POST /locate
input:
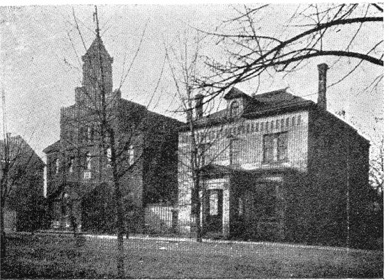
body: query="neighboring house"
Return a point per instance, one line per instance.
(22, 172)
(79, 176)
(276, 167)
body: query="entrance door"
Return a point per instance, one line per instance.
(214, 202)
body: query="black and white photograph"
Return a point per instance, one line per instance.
(192, 140)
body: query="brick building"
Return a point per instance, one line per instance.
(80, 173)
(276, 167)
(25, 181)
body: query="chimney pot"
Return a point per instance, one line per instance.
(322, 69)
(199, 105)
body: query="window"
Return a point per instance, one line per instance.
(240, 206)
(267, 200)
(88, 160)
(275, 147)
(57, 162)
(90, 133)
(131, 155)
(71, 164)
(234, 109)
(234, 151)
(203, 151)
(81, 134)
(109, 155)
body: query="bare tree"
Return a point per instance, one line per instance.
(312, 31)
(199, 143)
(108, 129)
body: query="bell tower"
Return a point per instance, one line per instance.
(97, 67)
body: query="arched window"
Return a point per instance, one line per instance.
(234, 109)
(71, 164)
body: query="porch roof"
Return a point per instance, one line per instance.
(214, 169)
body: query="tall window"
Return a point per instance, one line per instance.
(131, 155)
(57, 162)
(109, 155)
(88, 160)
(71, 164)
(234, 109)
(90, 133)
(81, 134)
(203, 152)
(234, 151)
(275, 147)
(266, 200)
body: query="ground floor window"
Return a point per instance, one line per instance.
(266, 200)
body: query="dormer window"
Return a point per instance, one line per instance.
(234, 109)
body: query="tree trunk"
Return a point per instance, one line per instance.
(119, 208)
(3, 237)
(198, 225)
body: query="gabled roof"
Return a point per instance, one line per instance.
(21, 152)
(235, 93)
(269, 103)
(55, 147)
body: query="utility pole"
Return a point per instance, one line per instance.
(4, 177)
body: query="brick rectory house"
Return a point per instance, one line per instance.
(275, 167)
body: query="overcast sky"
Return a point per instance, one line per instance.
(41, 50)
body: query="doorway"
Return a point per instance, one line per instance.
(213, 210)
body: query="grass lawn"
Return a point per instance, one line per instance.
(53, 256)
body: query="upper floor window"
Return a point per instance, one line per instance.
(203, 152)
(90, 133)
(57, 162)
(88, 160)
(234, 109)
(275, 147)
(131, 155)
(234, 151)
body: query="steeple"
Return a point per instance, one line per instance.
(97, 67)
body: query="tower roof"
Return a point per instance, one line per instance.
(96, 47)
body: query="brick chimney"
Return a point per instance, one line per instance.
(321, 102)
(199, 105)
